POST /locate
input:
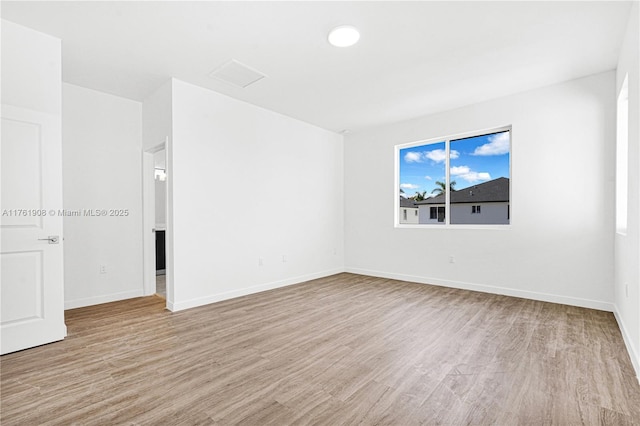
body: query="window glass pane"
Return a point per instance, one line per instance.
(422, 177)
(479, 175)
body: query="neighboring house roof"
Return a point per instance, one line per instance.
(405, 202)
(493, 191)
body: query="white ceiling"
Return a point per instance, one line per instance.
(413, 58)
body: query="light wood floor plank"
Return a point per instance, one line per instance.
(341, 350)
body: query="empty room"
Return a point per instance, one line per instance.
(320, 212)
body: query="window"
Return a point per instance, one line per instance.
(461, 180)
(622, 157)
(436, 213)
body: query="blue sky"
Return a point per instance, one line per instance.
(473, 161)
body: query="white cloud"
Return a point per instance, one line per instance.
(428, 178)
(476, 176)
(413, 157)
(498, 145)
(459, 170)
(409, 186)
(464, 172)
(435, 155)
(439, 155)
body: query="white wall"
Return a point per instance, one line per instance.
(160, 191)
(161, 203)
(101, 145)
(559, 246)
(627, 247)
(31, 69)
(247, 184)
(156, 117)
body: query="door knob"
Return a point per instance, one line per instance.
(53, 239)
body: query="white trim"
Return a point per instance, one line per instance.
(213, 298)
(396, 185)
(543, 297)
(628, 342)
(97, 300)
(622, 159)
(469, 134)
(447, 184)
(470, 226)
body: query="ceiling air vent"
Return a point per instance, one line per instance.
(237, 73)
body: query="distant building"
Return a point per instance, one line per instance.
(486, 204)
(408, 211)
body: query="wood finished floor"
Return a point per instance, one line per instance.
(346, 349)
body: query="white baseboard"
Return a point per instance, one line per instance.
(106, 298)
(544, 297)
(628, 341)
(200, 301)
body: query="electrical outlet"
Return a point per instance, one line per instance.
(260, 261)
(284, 258)
(103, 269)
(452, 259)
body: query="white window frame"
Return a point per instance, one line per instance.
(622, 158)
(447, 141)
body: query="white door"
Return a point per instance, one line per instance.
(31, 254)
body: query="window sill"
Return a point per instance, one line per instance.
(454, 226)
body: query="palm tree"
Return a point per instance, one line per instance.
(441, 187)
(419, 196)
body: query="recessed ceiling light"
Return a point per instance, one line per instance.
(344, 36)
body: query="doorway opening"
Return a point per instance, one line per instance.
(160, 227)
(156, 232)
